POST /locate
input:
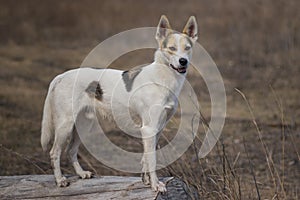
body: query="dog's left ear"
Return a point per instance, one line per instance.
(191, 29)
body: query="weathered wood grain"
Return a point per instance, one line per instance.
(107, 187)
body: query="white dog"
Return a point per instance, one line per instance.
(155, 104)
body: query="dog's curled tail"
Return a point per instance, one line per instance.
(47, 130)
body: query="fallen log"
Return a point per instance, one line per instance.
(106, 187)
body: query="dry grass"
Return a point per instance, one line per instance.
(255, 45)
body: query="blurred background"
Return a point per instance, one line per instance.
(255, 44)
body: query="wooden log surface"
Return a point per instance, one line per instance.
(107, 187)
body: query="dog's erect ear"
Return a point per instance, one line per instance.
(163, 28)
(191, 29)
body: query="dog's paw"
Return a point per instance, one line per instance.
(146, 178)
(159, 187)
(85, 174)
(62, 182)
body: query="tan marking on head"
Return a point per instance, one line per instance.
(185, 42)
(166, 41)
(170, 41)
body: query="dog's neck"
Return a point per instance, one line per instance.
(159, 58)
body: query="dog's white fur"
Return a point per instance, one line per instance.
(154, 104)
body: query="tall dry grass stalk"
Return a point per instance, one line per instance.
(272, 168)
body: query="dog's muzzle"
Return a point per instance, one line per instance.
(180, 70)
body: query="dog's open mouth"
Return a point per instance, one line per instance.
(180, 70)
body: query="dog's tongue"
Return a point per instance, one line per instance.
(181, 70)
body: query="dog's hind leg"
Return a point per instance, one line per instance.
(145, 171)
(61, 134)
(72, 153)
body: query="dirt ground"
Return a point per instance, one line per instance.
(255, 44)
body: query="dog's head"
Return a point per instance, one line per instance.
(176, 48)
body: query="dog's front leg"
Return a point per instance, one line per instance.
(149, 158)
(145, 170)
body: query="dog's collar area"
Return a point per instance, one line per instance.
(180, 70)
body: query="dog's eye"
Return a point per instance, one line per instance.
(187, 48)
(172, 48)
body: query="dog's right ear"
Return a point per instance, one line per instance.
(163, 28)
(191, 29)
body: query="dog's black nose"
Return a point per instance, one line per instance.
(183, 61)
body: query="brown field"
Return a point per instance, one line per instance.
(255, 44)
